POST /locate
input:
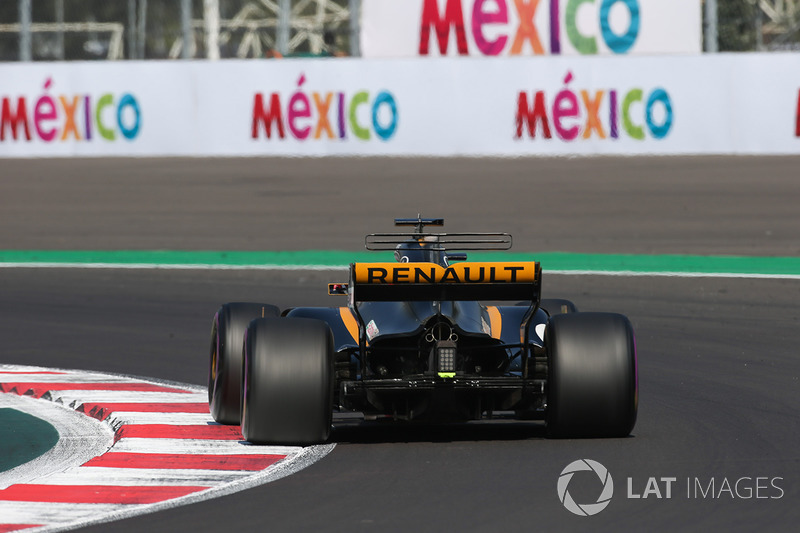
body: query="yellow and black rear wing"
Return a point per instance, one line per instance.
(376, 282)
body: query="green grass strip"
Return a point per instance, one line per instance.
(551, 261)
(23, 438)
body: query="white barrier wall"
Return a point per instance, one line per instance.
(721, 104)
(408, 28)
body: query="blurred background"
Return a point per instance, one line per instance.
(69, 30)
(52, 30)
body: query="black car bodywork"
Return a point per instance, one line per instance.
(430, 337)
(391, 356)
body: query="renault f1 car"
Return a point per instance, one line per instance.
(417, 342)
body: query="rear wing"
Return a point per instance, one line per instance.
(441, 241)
(381, 282)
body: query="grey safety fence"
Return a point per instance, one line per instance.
(52, 30)
(751, 25)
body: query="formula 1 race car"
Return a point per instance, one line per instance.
(416, 343)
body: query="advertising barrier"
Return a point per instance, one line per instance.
(408, 28)
(721, 104)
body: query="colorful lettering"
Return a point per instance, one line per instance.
(340, 116)
(299, 108)
(384, 99)
(12, 119)
(619, 44)
(634, 131)
(480, 18)
(87, 117)
(105, 101)
(612, 112)
(796, 128)
(358, 99)
(573, 117)
(323, 124)
(532, 116)
(659, 96)
(526, 30)
(67, 117)
(128, 101)
(592, 114)
(453, 17)
(379, 115)
(44, 112)
(582, 43)
(565, 106)
(267, 118)
(555, 28)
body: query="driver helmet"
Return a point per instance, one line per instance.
(417, 251)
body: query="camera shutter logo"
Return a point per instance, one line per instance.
(586, 509)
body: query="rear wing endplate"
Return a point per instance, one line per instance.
(381, 282)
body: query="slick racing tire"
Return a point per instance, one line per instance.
(557, 306)
(288, 381)
(592, 385)
(225, 366)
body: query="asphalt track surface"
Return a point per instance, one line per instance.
(719, 367)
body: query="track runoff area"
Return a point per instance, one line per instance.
(128, 446)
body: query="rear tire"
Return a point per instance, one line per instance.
(225, 366)
(592, 384)
(288, 381)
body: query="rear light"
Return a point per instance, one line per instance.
(445, 359)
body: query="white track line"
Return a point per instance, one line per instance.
(156, 266)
